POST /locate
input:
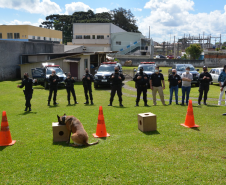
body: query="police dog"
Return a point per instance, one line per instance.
(74, 126)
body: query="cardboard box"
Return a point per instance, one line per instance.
(60, 132)
(147, 122)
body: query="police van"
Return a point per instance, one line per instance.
(42, 74)
(102, 76)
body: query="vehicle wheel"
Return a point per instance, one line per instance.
(95, 86)
(46, 85)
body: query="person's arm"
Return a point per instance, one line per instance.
(201, 77)
(135, 78)
(210, 78)
(22, 85)
(189, 79)
(122, 77)
(151, 84)
(219, 79)
(163, 82)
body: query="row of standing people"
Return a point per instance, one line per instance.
(156, 81)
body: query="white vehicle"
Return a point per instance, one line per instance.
(215, 72)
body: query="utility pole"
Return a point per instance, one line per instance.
(220, 42)
(149, 32)
(174, 54)
(203, 42)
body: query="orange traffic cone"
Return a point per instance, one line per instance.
(190, 120)
(101, 128)
(5, 136)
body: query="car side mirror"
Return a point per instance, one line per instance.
(197, 69)
(160, 70)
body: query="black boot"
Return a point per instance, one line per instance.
(110, 103)
(146, 105)
(48, 103)
(137, 105)
(69, 102)
(199, 103)
(91, 102)
(29, 108)
(76, 102)
(25, 109)
(55, 103)
(120, 104)
(205, 103)
(87, 102)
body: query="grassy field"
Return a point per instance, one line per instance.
(171, 155)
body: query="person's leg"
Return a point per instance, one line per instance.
(73, 94)
(113, 91)
(176, 94)
(221, 95)
(161, 94)
(183, 94)
(205, 94)
(138, 95)
(90, 93)
(171, 94)
(68, 94)
(119, 93)
(145, 96)
(200, 95)
(188, 89)
(86, 94)
(55, 95)
(50, 95)
(154, 95)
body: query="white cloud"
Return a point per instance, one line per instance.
(100, 10)
(17, 22)
(75, 7)
(46, 7)
(174, 17)
(137, 9)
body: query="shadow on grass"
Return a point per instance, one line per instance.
(27, 112)
(151, 132)
(2, 147)
(212, 106)
(195, 128)
(120, 107)
(63, 143)
(89, 104)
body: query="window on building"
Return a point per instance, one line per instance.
(9, 35)
(16, 35)
(33, 37)
(38, 38)
(85, 63)
(86, 36)
(78, 36)
(107, 36)
(0, 35)
(50, 39)
(118, 43)
(93, 37)
(100, 36)
(44, 38)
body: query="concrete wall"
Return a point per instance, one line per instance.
(169, 63)
(10, 56)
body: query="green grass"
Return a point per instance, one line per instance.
(171, 155)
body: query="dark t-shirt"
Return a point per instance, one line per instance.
(156, 79)
(174, 80)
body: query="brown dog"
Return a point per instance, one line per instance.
(74, 126)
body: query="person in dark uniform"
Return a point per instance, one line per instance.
(53, 79)
(222, 87)
(69, 83)
(116, 80)
(141, 80)
(27, 82)
(174, 80)
(204, 80)
(87, 84)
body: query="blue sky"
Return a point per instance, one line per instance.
(165, 17)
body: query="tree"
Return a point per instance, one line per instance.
(120, 17)
(194, 50)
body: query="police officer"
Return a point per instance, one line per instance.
(69, 83)
(204, 80)
(174, 79)
(87, 84)
(141, 80)
(27, 82)
(116, 80)
(53, 79)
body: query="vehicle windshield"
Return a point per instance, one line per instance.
(110, 68)
(182, 67)
(148, 68)
(58, 70)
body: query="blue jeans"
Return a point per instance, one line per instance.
(187, 91)
(175, 88)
